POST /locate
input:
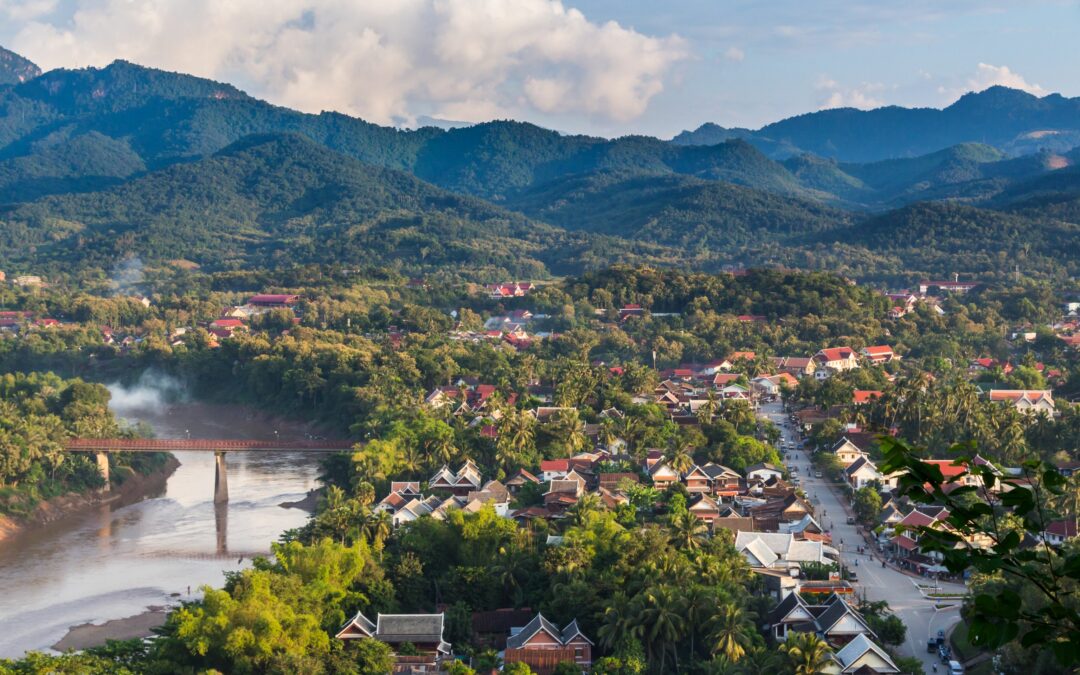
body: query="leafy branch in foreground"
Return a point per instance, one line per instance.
(994, 526)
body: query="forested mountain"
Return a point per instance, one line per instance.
(690, 213)
(96, 164)
(283, 199)
(1008, 119)
(14, 68)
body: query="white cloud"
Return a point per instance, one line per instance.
(386, 61)
(734, 54)
(864, 96)
(987, 76)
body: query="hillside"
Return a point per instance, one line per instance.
(279, 200)
(1010, 120)
(15, 69)
(681, 211)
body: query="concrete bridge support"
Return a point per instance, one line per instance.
(221, 479)
(102, 459)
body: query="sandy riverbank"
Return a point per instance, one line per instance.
(93, 635)
(134, 488)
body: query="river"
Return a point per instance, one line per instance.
(121, 560)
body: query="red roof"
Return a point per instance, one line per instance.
(227, 323)
(948, 469)
(860, 396)
(881, 350)
(836, 353)
(555, 465)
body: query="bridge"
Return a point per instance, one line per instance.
(101, 447)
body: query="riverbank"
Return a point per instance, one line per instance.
(134, 488)
(90, 635)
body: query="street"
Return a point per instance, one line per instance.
(874, 581)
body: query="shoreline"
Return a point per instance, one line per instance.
(131, 490)
(87, 635)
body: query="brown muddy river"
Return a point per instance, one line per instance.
(116, 561)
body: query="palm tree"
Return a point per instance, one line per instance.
(619, 621)
(377, 527)
(728, 632)
(687, 530)
(807, 653)
(661, 622)
(587, 504)
(516, 436)
(678, 456)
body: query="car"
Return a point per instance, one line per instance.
(851, 575)
(931, 646)
(943, 653)
(817, 474)
(956, 668)
(851, 520)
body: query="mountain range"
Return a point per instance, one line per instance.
(96, 164)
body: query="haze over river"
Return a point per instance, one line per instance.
(118, 561)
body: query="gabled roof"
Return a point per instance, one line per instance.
(572, 631)
(1062, 528)
(358, 626)
(538, 623)
(857, 648)
(837, 610)
(521, 477)
(761, 552)
(834, 354)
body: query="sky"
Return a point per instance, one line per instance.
(603, 67)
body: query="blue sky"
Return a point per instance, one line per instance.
(608, 67)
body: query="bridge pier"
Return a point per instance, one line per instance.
(221, 479)
(102, 459)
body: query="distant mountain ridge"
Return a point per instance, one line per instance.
(15, 69)
(101, 162)
(1008, 119)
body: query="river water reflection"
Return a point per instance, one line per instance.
(116, 561)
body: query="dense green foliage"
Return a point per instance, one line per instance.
(38, 413)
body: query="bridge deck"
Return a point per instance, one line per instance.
(201, 444)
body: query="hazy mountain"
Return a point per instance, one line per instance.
(1008, 119)
(15, 69)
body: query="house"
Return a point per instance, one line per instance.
(465, 480)
(663, 476)
(697, 481)
(273, 300)
(878, 354)
(864, 396)
(905, 541)
(1027, 401)
(554, 469)
(861, 656)
(704, 507)
(863, 472)
(847, 452)
(797, 366)
(542, 646)
(631, 310)
(424, 632)
(1059, 531)
(837, 622)
(775, 550)
(763, 471)
(786, 509)
(836, 359)
(724, 482)
(519, 480)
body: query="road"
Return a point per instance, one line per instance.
(875, 582)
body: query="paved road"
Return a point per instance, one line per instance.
(877, 583)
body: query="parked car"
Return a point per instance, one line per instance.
(944, 653)
(851, 521)
(817, 474)
(931, 646)
(955, 668)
